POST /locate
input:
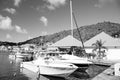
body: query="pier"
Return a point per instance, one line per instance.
(108, 74)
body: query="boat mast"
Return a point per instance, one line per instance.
(71, 17)
(79, 32)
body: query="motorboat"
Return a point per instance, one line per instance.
(59, 56)
(46, 66)
(78, 61)
(21, 54)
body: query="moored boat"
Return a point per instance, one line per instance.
(78, 61)
(58, 56)
(51, 68)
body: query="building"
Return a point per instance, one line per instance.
(113, 45)
(67, 42)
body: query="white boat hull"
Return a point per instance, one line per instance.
(50, 69)
(75, 60)
(56, 71)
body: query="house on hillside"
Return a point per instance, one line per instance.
(112, 44)
(16, 48)
(66, 44)
(4, 48)
(28, 47)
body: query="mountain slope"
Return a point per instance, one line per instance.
(87, 32)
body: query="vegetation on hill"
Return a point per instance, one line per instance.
(87, 32)
(7, 43)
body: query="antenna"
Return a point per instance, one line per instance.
(71, 17)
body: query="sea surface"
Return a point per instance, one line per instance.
(10, 70)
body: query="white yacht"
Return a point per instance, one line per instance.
(78, 61)
(58, 56)
(16, 55)
(46, 66)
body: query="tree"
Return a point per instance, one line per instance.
(99, 48)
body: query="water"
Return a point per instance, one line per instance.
(10, 70)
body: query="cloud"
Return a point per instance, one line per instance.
(44, 20)
(10, 10)
(102, 3)
(20, 30)
(53, 4)
(8, 36)
(5, 23)
(29, 37)
(43, 33)
(38, 8)
(17, 2)
(50, 7)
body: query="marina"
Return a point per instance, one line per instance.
(59, 40)
(10, 69)
(108, 74)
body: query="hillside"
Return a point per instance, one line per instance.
(7, 43)
(87, 32)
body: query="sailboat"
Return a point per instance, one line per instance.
(71, 58)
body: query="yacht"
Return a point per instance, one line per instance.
(46, 66)
(78, 61)
(58, 56)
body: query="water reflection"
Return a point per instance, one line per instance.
(80, 74)
(10, 70)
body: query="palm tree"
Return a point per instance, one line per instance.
(98, 46)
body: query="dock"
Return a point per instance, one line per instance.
(108, 74)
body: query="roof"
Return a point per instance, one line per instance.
(106, 39)
(67, 41)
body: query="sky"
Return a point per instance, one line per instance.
(21, 20)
